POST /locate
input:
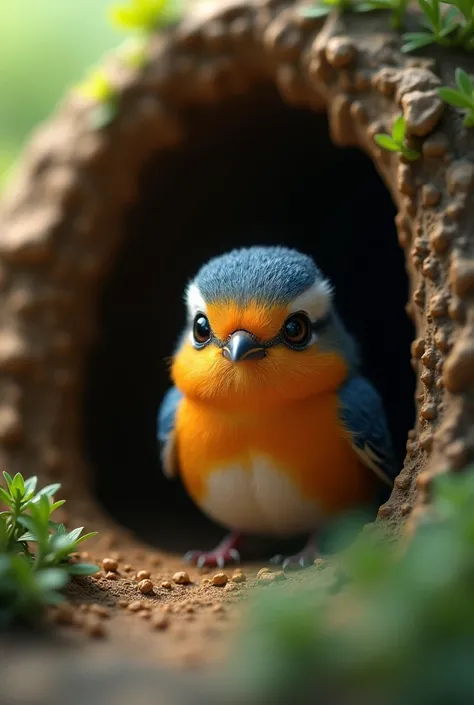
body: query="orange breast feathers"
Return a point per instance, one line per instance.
(304, 441)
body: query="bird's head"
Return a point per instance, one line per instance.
(261, 331)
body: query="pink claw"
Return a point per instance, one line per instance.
(225, 552)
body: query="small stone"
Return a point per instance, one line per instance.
(440, 238)
(340, 52)
(405, 508)
(428, 411)
(426, 441)
(95, 629)
(430, 195)
(181, 578)
(167, 585)
(418, 347)
(428, 359)
(135, 606)
(110, 564)
(145, 586)
(230, 587)
(160, 622)
(427, 377)
(239, 577)
(123, 603)
(416, 79)
(111, 576)
(220, 579)
(262, 571)
(460, 176)
(143, 574)
(127, 568)
(438, 305)
(422, 112)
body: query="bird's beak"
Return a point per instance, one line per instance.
(242, 346)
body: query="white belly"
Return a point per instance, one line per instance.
(258, 499)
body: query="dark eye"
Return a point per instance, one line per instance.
(297, 330)
(201, 329)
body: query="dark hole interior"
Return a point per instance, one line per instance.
(252, 171)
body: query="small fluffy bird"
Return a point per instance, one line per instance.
(269, 423)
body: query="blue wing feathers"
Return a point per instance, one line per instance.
(363, 416)
(167, 413)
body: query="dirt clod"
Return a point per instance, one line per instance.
(239, 577)
(110, 564)
(143, 574)
(145, 586)
(220, 579)
(181, 578)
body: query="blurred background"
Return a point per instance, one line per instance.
(46, 46)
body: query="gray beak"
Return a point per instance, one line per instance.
(242, 346)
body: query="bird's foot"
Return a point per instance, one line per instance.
(303, 559)
(226, 552)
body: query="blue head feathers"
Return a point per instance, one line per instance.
(276, 275)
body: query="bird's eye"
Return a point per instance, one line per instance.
(201, 329)
(297, 330)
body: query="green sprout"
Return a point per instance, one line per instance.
(145, 15)
(396, 141)
(324, 7)
(29, 578)
(461, 98)
(453, 27)
(98, 88)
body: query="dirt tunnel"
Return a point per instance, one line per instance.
(250, 172)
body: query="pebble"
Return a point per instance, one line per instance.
(181, 578)
(167, 585)
(123, 603)
(262, 571)
(111, 575)
(145, 586)
(143, 574)
(109, 564)
(99, 610)
(220, 579)
(239, 577)
(95, 629)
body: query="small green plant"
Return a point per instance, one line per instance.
(398, 629)
(324, 7)
(98, 88)
(453, 27)
(145, 15)
(463, 97)
(31, 578)
(396, 141)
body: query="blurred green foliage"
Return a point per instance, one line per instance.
(46, 47)
(380, 626)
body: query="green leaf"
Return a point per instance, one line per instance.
(18, 483)
(8, 479)
(5, 497)
(52, 579)
(49, 490)
(315, 12)
(74, 534)
(90, 535)
(456, 98)
(469, 119)
(82, 569)
(28, 536)
(432, 11)
(415, 44)
(56, 505)
(410, 154)
(398, 129)
(463, 81)
(30, 485)
(386, 142)
(464, 6)
(102, 115)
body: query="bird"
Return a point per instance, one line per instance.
(268, 422)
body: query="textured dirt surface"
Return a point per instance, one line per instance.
(61, 226)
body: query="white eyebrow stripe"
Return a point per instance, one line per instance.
(195, 301)
(315, 301)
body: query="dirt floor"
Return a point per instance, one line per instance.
(187, 619)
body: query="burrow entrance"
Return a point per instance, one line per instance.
(252, 171)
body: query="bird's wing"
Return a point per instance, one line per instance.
(363, 416)
(166, 431)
